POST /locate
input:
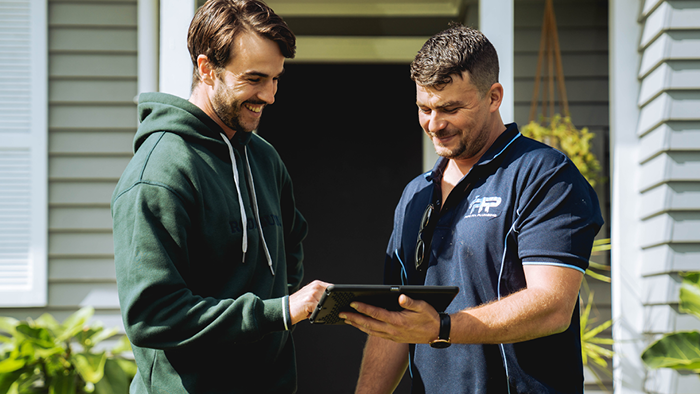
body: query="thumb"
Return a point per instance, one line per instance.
(407, 302)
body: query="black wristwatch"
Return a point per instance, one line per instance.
(443, 339)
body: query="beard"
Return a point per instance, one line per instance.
(466, 146)
(228, 108)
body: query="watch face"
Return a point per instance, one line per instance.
(440, 343)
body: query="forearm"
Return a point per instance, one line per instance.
(383, 365)
(544, 308)
(513, 319)
(172, 322)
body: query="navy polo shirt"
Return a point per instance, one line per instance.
(522, 203)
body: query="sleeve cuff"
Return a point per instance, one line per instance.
(286, 316)
(275, 315)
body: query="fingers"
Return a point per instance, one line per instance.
(303, 302)
(418, 322)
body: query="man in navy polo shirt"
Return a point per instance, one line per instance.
(509, 220)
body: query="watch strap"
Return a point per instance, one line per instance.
(443, 339)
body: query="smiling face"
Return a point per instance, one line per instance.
(457, 118)
(239, 92)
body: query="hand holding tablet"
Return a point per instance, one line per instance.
(337, 299)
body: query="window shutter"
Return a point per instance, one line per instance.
(23, 153)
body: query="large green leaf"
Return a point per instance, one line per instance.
(115, 381)
(690, 294)
(38, 336)
(8, 325)
(129, 366)
(94, 335)
(8, 379)
(75, 323)
(47, 321)
(64, 384)
(11, 364)
(90, 366)
(123, 345)
(679, 350)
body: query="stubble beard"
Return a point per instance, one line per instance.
(228, 109)
(466, 148)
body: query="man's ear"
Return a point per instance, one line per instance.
(496, 96)
(207, 73)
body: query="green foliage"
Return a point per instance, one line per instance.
(593, 354)
(679, 350)
(594, 269)
(561, 134)
(690, 294)
(43, 356)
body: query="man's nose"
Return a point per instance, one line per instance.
(436, 122)
(267, 93)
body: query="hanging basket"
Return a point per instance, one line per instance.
(557, 130)
(561, 134)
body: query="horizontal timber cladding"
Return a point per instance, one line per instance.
(92, 67)
(669, 171)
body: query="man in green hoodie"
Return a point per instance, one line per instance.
(207, 237)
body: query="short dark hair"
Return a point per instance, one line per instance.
(217, 23)
(453, 51)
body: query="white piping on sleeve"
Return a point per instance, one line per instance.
(244, 219)
(583, 271)
(284, 312)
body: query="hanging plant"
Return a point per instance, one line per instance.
(556, 130)
(561, 134)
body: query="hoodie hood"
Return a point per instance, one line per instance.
(165, 112)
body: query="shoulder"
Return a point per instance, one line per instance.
(534, 154)
(164, 160)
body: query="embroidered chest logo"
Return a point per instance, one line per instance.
(482, 207)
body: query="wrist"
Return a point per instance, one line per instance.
(443, 339)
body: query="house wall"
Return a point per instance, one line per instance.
(92, 120)
(582, 27)
(656, 183)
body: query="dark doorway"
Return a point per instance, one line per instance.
(350, 138)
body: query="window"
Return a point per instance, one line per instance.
(23, 153)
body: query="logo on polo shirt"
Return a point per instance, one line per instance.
(482, 207)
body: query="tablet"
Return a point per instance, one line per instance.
(337, 298)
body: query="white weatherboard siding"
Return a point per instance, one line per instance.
(92, 122)
(92, 77)
(23, 140)
(656, 188)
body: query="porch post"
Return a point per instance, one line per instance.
(148, 24)
(496, 21)
(175, 64)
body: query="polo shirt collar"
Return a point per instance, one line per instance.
(497, 148)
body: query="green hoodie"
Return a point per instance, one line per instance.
(202, 320)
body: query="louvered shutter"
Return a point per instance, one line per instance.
(23, 153)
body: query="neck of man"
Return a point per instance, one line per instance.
(200, 98)
(464, 165)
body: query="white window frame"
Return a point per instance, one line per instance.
(23, 263)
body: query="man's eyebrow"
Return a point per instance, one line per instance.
(443, 105)
(261, 74)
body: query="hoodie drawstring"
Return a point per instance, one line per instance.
(256, 210)
(244, 218)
